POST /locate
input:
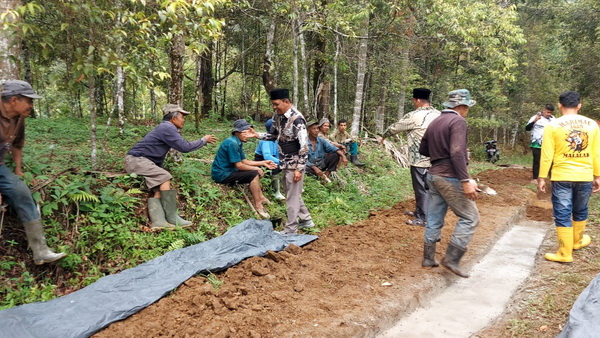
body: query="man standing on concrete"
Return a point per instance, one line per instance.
(536, 125)
(445, 143)
(146, 158)
(415, 123)
(15, 106)
(572, 146)
(289, 129)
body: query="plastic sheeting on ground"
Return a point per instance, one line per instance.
(118, 296)
(584, 317)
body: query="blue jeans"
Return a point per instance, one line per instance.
(17, 194)
(447, 192)
(570, 201)
(351, 148)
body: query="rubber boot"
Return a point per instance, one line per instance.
(579, 239)
(168, 199)
(277, 187)
(453, 255)
(37, 242)
(355, 161)
(429, 256)
(157, 214)
(565, 246)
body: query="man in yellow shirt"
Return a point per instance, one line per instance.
(572, 147)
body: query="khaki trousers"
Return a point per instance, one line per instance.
(296, 210)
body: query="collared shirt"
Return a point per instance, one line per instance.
(414, 123)
(230, 152)
(12, 134)
(289, 130)
(157, 143)
(316, 154)
(268, 150)
(537, 130)
(445, 142)
(340, 137)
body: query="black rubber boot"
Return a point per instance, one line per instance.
(429, 256)
(355, 161)
(453, 255)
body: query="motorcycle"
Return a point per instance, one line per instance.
(491, 150)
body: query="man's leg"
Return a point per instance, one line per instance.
(256, 193)
(562, 210)
(418, 176)
(437, 210)
(294, 203)
(331, 163)
(537, 152)
(581, 196)
(354, 154)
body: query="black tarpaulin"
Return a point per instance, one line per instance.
(118, 296)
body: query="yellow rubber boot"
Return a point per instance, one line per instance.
(565, 246)
(579, 239)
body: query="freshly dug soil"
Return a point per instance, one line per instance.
(353, 281)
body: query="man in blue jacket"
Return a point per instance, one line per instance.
(147, 157)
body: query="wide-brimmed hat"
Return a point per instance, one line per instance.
(459, 97)
(18, 87)
(241, 125)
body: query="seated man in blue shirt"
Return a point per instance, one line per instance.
(147, 157)
(267, 150)
(231, 166)
(323, 157)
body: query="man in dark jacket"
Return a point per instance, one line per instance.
(445, 143)
(146, 158)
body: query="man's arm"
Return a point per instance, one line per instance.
(17, 156)
(404, 124)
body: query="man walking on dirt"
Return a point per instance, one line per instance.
(536, 125)
(289, 129)
(147, 157)
(16, 105)
(415, 123)
(445, 143)
(572, 146)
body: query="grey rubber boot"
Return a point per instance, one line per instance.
(453, 255)
(168, 199)
(277, 187)
(429, 256)
(37, 242)
(355, 161)
(157, 214)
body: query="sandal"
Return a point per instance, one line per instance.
(416, 222)
(409, 213)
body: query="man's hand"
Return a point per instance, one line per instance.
(210, 138)
(470, 190)
(344, 159)
(596, 184)
(381, 140)
(297, 175)
(261, 173)
(541, 185)
(270, 164)
(250, 133)
(317, 171)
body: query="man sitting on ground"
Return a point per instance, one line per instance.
(341, 136)
(147, 157)
(318, 163)
(231, 166)
(324, 127)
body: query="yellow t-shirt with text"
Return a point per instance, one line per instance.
(572, 147)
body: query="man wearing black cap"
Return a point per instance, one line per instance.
(16, 105)
(231, 166)
(147, 157)
(414, 124)
(289, 129)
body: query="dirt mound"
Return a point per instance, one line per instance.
(352, 281)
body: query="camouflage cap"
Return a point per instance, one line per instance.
(173, 108)
(459, 97)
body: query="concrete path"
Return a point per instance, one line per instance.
(470, 304)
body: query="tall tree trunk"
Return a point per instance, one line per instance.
(176, 55)
(9, 45)
(380, 112)
(93, 136)
(322, 99)
(207, 79)
(305, 72)
(360, 82)
(295, 80)
(335, 79)
(319, 72)
(120, 98)
(268, 82)
(403, 82)
(198, 92)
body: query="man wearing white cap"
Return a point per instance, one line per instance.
(16, 105)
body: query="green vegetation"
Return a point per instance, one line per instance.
(100, 219)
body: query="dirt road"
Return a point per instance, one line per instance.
(354, 281)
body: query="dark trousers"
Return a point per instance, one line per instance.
(329, 164)
(537, 153)
(419, 183)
